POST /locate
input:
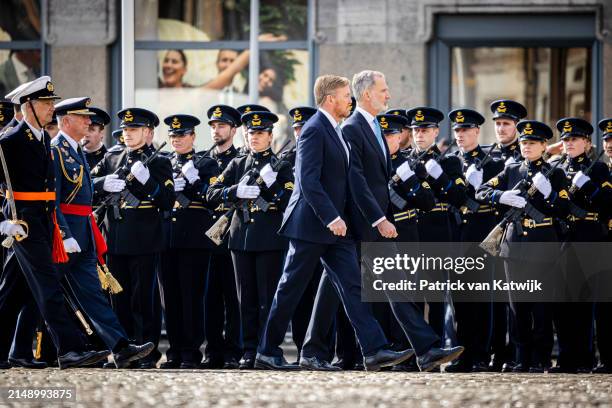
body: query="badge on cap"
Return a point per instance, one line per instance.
(459, 118)
(567, 127)
(419, 117)
(609, 127)
(217, 113)
(128, 117)
(256, 121)
(528, 130)
(502, 107)
(297, 116)
(50, 87)
(383, 123)
(175, 123)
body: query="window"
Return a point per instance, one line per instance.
(21, 49)
(190, 55)
(552, 83)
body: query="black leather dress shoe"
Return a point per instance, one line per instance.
(147, 365)
(170, 364)
(508, 367)
(81, 358)
(132, 352)
(264, 362)
(386, 358)
(435, 357)
(408, 366)
(520, 368)
(211, 364)
(602, 369)
(5, 365)
(188, 365)
(247, 363)
(27, 363)
(537, 369)
(314, 364)
(458, 367)
(231, 364)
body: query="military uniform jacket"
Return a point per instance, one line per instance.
(289, 156)
(504, 153)
(140, 230)
(73, 185)
(476, 226)
(553, 207)
(30, 165)
(187, 226)
(260, 231)
(595, 197)
(418, 195)
(94, 158)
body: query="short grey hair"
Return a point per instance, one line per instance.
(363, 80)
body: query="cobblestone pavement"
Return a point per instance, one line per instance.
(97, 387)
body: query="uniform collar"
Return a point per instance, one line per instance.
(37, 133)
(261, 155)
(579, 160)
(73, 143)
(185, 156)
(509, 148)
(536, 164)
(228, 152)
(472, 154)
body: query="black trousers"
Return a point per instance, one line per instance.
(138, 305)
(222, 311)
(603, 322)
(183, 280)
(257, 276)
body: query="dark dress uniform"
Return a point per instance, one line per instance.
(502, 350)
(574, 321)
(185, 262)
(449, 189)
(136, 240)
(93, 158)
(222, 312)
(603, 310)
(30, 166)
(257, 249)
(533, 334)
(100, 118)
(476, 224)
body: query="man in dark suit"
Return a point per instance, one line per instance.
(315, 224)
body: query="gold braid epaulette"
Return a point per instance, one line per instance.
(78, 181)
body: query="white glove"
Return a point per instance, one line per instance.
(404, 171)
(245, 191)
(141, 173)
(513, 199)
(71, 246)
(191, 173)
(11, 230)
(113, 184)
(433, 168)
(580, 179)
(268, 175)
(509, 160)
(542, 184)
(179, 184)
(474, 176)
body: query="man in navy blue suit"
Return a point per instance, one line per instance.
(316, 224)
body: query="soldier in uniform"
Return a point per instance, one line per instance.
(574, 321)
(406, 134)
(37, 245)
(6, 112)
(299, 115)
(118, 138)
(93, 142)
(52, 128)
(135, 237)
(478, 219)
(506, 114)
(81, 237)
(603, 310)
(257, 250)
(222, 313)
(242, 109)
(532, 321)
(184, 264)
(446, 180)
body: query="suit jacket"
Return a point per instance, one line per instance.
(322, 188)
(369, 177)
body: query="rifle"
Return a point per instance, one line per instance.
(470, 204)
(182, 200)
(218, 230)
(492, 243)
(124, 197)
(574, 209)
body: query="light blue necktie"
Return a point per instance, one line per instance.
(378, 133)
(342, 142)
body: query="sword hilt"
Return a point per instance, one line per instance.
(9, 241)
